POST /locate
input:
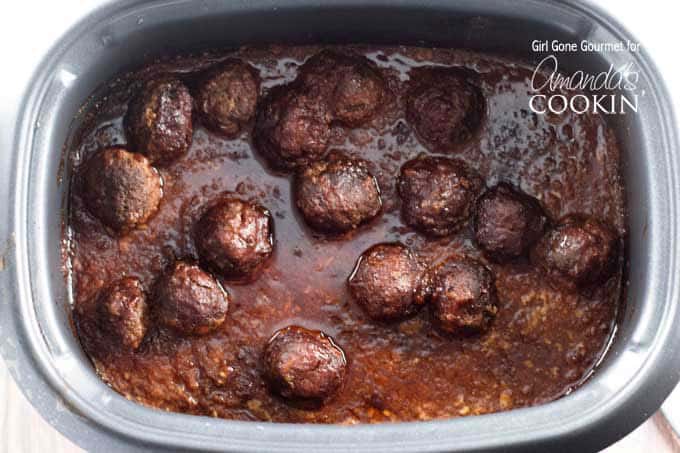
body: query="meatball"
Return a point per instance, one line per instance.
(354, 86)
(158, 122)
(462, 295)
(444, 106)
(304, 364)
(437, 194)
(121, 313)
(227, 97)
(580, 250)
(337, 194)
(385, 280)
(357, 95)
(507, 222)
(235, 237)
(189, 300)
(121, 188)
(292, 127)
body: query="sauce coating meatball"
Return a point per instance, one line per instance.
(579, 249)
(507, 222)
(121, 188)
(292, 127)
(158, 122)
(462, 295)
(337, 194)
(437, 194)
(189, 300)
(304, 364)
(385, 280)
(354, 86)
(444, 106)
(235, 237)
(121, 313)
(227, 97)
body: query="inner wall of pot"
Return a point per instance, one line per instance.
(126, 42)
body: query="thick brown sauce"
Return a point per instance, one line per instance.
(543, 343)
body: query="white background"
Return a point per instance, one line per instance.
(28, 28)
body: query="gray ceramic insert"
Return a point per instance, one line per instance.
(46, 361)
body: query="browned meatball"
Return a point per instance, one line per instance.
(121, 313)
(580, 249)
(158, 122)
(235, 237)
(115, 320)
(121, 188)
(227, 96)
(190, 300)
(355, 87)
(437, 194)
(462, 294)
(444, 106)
(304, 364)
(292, 127)
(507, 222)
(337, 194)
(385, 280)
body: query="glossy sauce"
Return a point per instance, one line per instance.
(543, 343)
